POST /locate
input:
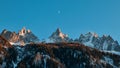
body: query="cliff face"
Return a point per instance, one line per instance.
(10, 36)
(4, 42)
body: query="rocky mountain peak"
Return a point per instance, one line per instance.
(91, 34)
(106, 42)
(108, 38)
(58, 36)
(4, 31)
(24, 31)
(24, 36)
(58, 33)
(58, 30)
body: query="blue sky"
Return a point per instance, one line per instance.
(72, 16)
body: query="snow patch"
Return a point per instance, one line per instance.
(14, 65)
(113, 52)
(108, 60)
(88, 44)
(105, 45)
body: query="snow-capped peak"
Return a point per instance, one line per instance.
(88, 37)
(106, 42)
(91, 34)
(58, 36)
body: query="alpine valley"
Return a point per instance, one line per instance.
(25, 50)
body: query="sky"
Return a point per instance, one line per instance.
(74, 17)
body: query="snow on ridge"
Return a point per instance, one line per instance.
(113, 52)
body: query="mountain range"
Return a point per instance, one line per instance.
(25, 50)
(21, 38)
(90, 39)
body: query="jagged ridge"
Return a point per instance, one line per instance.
(22, 37)
(89, 39)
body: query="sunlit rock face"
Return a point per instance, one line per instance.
(10, 36)
(58, 36)
(22, 37)
(4, 42)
